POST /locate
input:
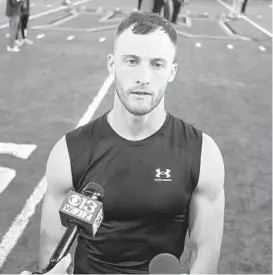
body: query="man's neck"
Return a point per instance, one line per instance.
(133, 127)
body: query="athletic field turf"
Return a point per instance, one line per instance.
(223, 87)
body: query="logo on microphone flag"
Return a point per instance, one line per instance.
(77, 212)
(81, 210)
(97, 222)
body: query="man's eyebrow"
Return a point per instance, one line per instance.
(130, 55)
(160, 59)
(137, 57)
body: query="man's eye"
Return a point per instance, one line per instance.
(131, 61)
(158, 65)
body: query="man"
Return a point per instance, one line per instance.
(23, 24)
(13, 8)
(161, 176)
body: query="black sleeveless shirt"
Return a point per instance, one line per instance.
(147, 184)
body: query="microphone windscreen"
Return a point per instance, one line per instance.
(93, 187)
(165, 264)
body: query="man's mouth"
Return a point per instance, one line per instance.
(140, 93)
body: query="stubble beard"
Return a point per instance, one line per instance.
(139, 110)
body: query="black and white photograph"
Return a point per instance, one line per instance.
(136, 137)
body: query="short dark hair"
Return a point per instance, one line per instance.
(147, 22)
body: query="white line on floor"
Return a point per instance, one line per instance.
(19, 224)
(6, 176)
(22, 151)
(248, 20)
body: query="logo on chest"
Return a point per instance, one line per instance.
(163, 175)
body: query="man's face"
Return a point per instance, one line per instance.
(142, 66)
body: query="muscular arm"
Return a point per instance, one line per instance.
(207, 210)
(59, 182)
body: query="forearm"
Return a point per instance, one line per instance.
(51, 229)
(205, 263)
(48, 244)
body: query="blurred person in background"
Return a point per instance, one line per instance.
(66, 2)
(158, 6)
(173, 6)
(23, 23)
(243, 8)
(238, 9)
(70, 6)
(145, 5)
(177, 4)
(13, 10)
(139, 5)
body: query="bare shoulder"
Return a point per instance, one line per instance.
(212, 171)
(58, 169)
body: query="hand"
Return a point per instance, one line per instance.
(60, 268)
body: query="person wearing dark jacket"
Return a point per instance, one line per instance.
(13, 10)
(22, 27)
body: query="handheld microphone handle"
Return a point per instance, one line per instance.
(63, 247)
(68, 238)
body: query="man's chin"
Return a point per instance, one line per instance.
(138, 111)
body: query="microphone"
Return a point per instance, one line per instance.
(165, 264)
(78, 210)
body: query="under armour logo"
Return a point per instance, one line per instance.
(160, 173)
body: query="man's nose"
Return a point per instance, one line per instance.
(144, 76)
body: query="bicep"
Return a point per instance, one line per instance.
(206, 215)
(59, 182)
(58, 169)
(206, 221)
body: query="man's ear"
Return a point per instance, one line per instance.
(173, 72)
(111, 64)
